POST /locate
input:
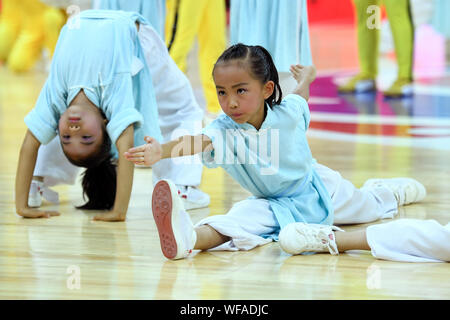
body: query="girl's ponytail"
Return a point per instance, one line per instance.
(99, 186)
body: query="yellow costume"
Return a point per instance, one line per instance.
(400, 20)
(206, 20)
(26, 27)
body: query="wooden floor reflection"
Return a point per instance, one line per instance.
(40, 259)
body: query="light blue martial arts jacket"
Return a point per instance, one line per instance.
(99, 52)
(274, 162)
(440, 20)
(280, 26)
(154, 11)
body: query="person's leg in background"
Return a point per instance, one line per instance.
(189, 17)
(179, 114)
(10, 26)
(368, 42)
(54, 20)
(400, 20)
(212, 42)
(28, 46)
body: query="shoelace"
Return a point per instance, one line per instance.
(401, 192)
(319, 239)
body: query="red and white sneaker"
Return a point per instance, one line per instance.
(193, 198)
(39, 191)
(176, 231)
(301, 237)
(36, 193)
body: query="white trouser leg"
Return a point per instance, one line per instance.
(410, 240)
(53, 166)
(246, 221)
(353, 205)
(179, 112)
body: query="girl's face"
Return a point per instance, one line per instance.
(81, 131)
(241, 97)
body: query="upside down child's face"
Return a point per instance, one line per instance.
(81, 131)
(241, 97)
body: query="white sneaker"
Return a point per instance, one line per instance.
(406, 190)
(193, 198)
(176, 231)
(300, 237)
(39, 191)
(35, 194)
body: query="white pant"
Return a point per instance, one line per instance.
(179, 114)
(247, 220)
(410, 240)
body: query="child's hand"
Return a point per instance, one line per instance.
(35, 213)
(303, 73)
(147, 154)
(110, 216)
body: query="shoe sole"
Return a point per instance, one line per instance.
(163, 208)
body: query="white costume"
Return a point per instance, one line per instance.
(250, 218)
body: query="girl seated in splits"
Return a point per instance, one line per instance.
(99, 97)
(288, 187)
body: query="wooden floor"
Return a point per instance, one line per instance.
(45, 258)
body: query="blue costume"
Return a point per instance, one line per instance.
(99, 52)
(279, 26)
(154, 11)
(274, 162)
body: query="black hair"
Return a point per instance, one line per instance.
(99, 178)
(260, 64)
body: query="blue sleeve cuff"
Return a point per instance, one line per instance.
(40, 127)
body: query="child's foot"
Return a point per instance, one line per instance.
(406, 190)
(176, 232)
(300, 237)
(193, 198)
(301, 73)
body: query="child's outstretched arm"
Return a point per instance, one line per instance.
(304, 75)
(24, 175)
(124, 184)
(150, 153)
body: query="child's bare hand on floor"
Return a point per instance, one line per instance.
(147, 154)
(36, 213)
(111, 216)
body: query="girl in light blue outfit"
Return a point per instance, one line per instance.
(154, 11)
(110, 76)
(260, 140)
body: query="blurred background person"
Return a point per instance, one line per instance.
(399, 14)
(279, 26)
(204, 20)
(27, 27)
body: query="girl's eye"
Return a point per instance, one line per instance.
(86, 137)
(221, 93)
(241, 90)
(65, 137)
